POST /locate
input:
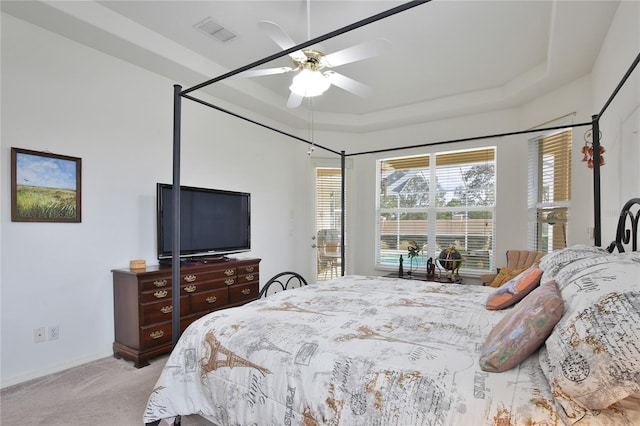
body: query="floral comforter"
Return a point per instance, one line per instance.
(353, 351)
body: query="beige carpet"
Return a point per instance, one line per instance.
(105, 392)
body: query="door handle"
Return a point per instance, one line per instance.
(313, 246)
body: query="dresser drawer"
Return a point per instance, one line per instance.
(156, 295)
(155, 283)
(199, 277)
(155, 335)
(209, 300)
(161, 311)
(186, 279)
(243, 292)
(160, 333)
(248, 269)
(196, 287)
(248, 278)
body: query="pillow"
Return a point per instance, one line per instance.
(504, 275)
(523, 330)
(515, 289)
(561, 263)
(592, 358)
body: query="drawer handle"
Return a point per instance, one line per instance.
(211, 299)
(160, 283)
(160, 294)
(229, 281)
(190, 288)
(249, 269)
(229, 272)
(166, 309)
(156, 334)
(246, 291)
(249, 277)
(190, 278)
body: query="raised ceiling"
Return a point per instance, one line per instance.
(447, 58)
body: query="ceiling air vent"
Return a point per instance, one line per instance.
(215, 30)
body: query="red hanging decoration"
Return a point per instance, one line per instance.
(587, 150)
(584, 152)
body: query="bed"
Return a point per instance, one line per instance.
(560, 347)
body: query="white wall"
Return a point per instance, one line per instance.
(63, 97)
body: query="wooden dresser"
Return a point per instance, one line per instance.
(143, 302)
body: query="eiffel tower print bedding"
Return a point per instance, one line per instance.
(360, 351)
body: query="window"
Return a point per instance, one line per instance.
(549, 191)
(438, 201)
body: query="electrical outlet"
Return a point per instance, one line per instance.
(54, 332)
(39, 335)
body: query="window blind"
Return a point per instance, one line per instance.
(465, 205)
(328, 210)
(403, 200)
(549, 195)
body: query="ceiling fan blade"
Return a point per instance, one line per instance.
(260, 73)
(358, 52)
(281, 38)
(294, 100)
(348, 84)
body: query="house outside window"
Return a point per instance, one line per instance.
(549, 197)
(437, 200)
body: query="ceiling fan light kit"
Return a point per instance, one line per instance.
(309, 83)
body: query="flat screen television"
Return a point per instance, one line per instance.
(213, 222)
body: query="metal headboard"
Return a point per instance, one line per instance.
(627, 232)
(282, 281)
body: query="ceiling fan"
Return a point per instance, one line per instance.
(313, 68)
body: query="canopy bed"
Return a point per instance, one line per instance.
(298, 356)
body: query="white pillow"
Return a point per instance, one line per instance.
(592, 357)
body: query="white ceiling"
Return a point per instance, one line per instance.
(447, 57)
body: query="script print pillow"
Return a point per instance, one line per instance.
(562, 264)
(592, 357)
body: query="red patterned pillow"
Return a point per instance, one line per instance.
(515, 289)
(522, 330)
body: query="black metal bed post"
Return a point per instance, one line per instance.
(597, 219)
(342, 210)
(175, 259)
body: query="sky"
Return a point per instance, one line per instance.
(45, 172)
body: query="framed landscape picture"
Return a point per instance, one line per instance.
(45, 187)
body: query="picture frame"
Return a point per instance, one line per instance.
(45, 187)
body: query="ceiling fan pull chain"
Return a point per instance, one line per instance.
(308, 19)
(311, 146)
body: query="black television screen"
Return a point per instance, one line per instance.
(212, 222)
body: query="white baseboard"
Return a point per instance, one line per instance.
(35, 374)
